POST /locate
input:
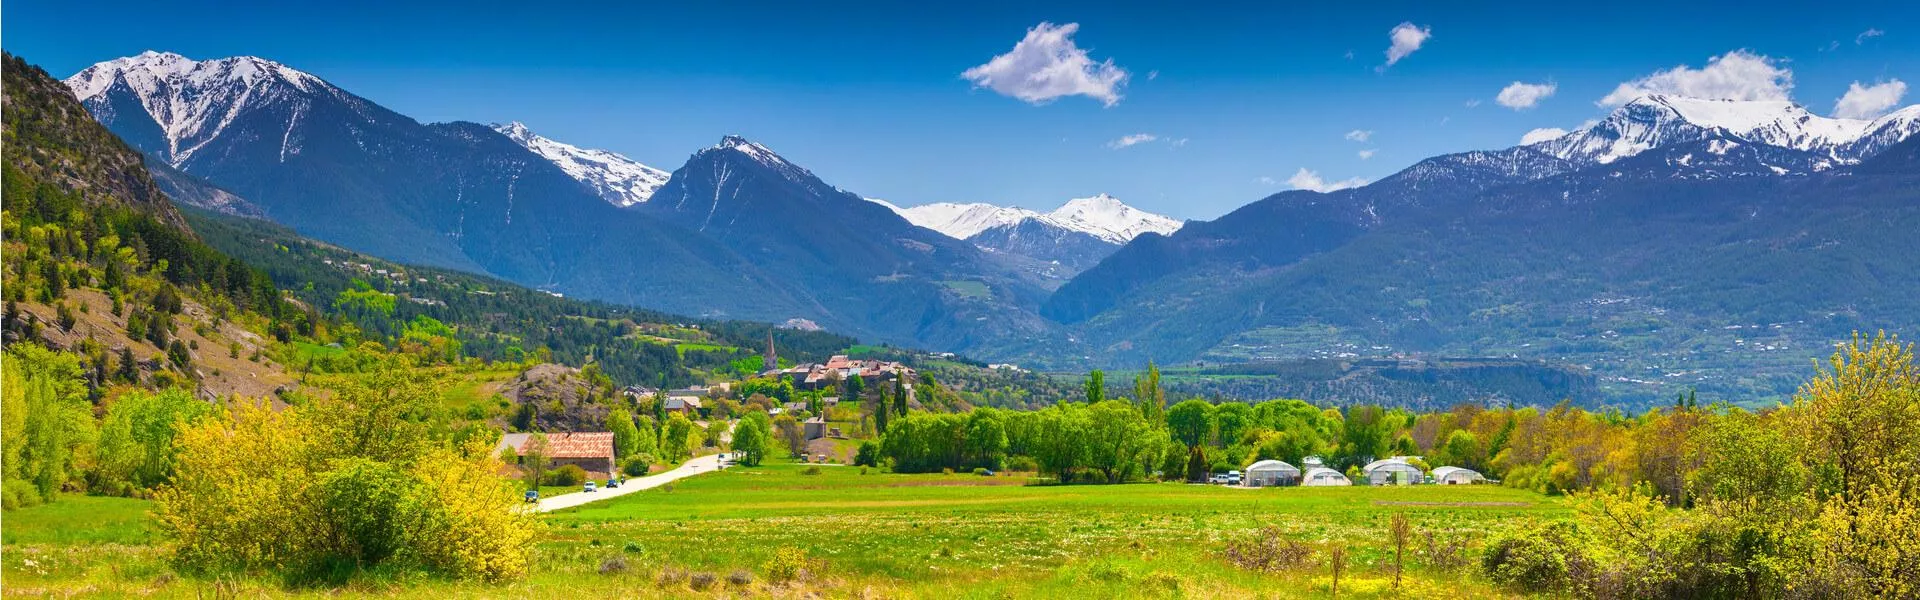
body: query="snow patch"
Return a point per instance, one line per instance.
(619, 180)
(1101, 216)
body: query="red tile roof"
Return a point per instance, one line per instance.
(593, 444)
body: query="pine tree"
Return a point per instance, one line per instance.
(900, 393)
(129, 370)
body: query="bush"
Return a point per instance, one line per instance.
(636, 465)
(1267, 550)
(1022, 463)
(740, 577)
(982, 471)
(1543, 560)
(671, 577)
(787, 564)
(868, 455)
(337, 487)
(814, 470)
(369, 505)
(566, 476)
(613, 566)
(702, 581)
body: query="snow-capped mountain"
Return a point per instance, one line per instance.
(345, 170)
(1053, 245)
(962, 221)
(1654, 121)
(191, 103)
(620, 180)
(1101, 216)
(1108, 218)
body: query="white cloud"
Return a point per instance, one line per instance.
(1368, 153)
(1360, 135)
(1540, 135)
(1406, 38)
(1179, 143)
(1869, 101)
(1870, 33)
(1521, 96)
(1473, 102)
(1265, 180)
(1047, 65)
(1130, 140)
(1152, 75)
(1309, 180)
(1736, 75)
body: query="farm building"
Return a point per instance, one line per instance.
(1322, 476)
(686, 405)
(1268, 473)
(592, 451)
(1456, 476)
(1392, 471)
(814, 428)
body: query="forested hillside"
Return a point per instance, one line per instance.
(496, 320)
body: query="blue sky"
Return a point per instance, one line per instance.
(871, 96)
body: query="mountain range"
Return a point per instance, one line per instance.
(1663, 246)
(1675, 242)
(1062, 243)
(746, 233)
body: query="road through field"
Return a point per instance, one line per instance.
(694, 466)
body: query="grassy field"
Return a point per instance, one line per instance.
(871, 534)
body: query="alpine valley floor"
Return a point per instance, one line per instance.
(790, 530)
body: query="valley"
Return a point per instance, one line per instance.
(1485, 253)
(520, 302)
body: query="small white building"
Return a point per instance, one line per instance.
(1457, 476)
(1269, 473)
(1322, 476)
(1392, 471)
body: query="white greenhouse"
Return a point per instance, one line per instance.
(1322, 476)
(1456, 476)
(1269, 473)
(1392, 471)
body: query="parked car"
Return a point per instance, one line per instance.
(1233, 478)
(589, 487)
(533, 496)
(1219, 478)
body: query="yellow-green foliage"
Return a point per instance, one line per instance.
(47, 422)
(1816, 499)
(347, 483)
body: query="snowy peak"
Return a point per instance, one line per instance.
(191, 101)
(759, 154)
(962, 221)
(1656, 120)
(149, 71)
(1108, 218)
(617, 179)
(1101, 216)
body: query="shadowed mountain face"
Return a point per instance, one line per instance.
(859, 263)
(1715, 271)
(739, 232)
(342, 169)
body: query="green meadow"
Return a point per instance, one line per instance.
(788, 530)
